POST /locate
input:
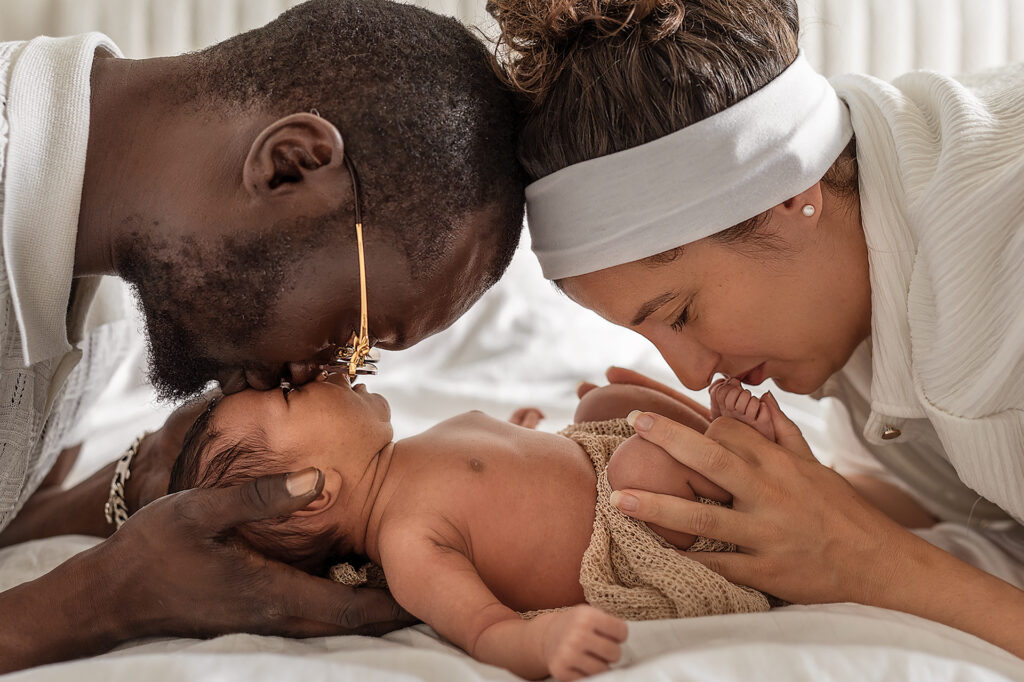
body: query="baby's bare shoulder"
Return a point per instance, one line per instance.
(407, 533)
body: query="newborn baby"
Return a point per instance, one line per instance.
(477, 522)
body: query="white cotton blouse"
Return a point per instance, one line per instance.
(942, 204)
(61, 339)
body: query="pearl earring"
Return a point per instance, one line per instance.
(809, 210)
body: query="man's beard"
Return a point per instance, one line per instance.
(222, 295)
(191, 297)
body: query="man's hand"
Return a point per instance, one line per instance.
(79, 510)
(151, 467)
(177, 568)
(202, 581)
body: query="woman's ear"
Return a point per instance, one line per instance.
(327, 498)
(289, 153)
(805, 208)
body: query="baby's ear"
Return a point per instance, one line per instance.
(327, 498)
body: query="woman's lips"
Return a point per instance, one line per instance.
(754, 377)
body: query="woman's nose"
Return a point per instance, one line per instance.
(692, 363)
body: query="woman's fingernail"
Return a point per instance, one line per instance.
(639, 421)
(302, 483)
(624, 501)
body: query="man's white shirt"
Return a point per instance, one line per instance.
(61, 339)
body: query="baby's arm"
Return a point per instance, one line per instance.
(440, 586)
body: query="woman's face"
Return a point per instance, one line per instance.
(794, 316)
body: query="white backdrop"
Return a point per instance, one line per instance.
(881, 37)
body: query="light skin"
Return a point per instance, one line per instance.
(472, 520)
(745, 309)
(178, 185)
(757, 313)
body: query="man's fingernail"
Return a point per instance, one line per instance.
(624, 501)
(639, 421)
(302, 483)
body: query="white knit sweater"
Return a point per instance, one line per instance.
(942, 200)
(60, 338)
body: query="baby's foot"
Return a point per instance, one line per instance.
(730, 399)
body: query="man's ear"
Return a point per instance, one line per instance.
(327, 498)
(291, 151)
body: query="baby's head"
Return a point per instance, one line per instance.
(325, 424)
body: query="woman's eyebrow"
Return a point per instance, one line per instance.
(652, 305)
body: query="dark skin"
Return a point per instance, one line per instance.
(157, 172)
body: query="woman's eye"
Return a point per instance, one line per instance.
(682, 319)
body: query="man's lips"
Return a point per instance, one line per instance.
(240, 378)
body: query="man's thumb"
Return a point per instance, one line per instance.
(265, 497)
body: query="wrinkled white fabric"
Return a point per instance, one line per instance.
(834, 642)
(941, 178)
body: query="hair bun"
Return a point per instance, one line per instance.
(537, 36)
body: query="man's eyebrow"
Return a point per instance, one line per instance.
(648, 308)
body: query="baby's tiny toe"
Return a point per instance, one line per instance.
(730, 399)
(752, 409)
(743, 401)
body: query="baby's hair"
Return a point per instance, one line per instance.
(210, 459)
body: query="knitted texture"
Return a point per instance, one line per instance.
(633, 573)
(76, 333)
(367, 575)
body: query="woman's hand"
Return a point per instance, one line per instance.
(803, 532)
(805, 535)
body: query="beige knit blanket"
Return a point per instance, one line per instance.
(628, 570)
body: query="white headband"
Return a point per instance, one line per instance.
(697, 181)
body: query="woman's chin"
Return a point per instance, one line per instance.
(801, 385)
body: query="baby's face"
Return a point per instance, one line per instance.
(326, 423)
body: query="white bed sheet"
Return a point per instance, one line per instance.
(835, 642)
(526, 344)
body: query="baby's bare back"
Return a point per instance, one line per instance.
(518, 503)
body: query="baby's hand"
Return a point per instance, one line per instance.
(730, 399)
(582, 641)
(527, 417)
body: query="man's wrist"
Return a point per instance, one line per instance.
(70, 612)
